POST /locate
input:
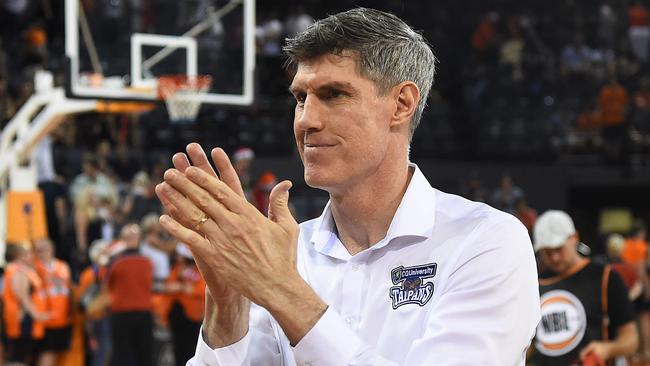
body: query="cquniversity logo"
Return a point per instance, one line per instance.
(411, 289)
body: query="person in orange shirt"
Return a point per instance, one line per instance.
(635, 252)
(94, 306)
(613, 101)
(186, 289)
(262, 191)
(129, 282)
(57, 282)
(24, 306)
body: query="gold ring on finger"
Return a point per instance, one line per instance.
(201, 222)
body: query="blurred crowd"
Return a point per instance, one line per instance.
(108, 279)
(516, 80)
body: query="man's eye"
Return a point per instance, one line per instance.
(336, 94)
(300, 98)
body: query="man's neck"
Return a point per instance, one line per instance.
(364, 212)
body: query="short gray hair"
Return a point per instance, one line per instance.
(389, 51)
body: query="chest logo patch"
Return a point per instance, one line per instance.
(410, 287)
(563, 323)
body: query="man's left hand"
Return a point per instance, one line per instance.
(258, 253)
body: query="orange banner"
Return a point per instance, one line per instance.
(26, 219)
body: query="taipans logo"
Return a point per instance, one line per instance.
(563, 323)
(411, 288)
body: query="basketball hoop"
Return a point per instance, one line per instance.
(182, 95)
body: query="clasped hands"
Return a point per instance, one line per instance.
(239, 251)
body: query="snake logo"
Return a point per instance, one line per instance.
(411, 287)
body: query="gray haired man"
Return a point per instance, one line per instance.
(394, 272)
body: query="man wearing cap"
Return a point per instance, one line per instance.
(586, 313)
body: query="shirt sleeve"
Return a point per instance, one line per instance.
(263, 345)
(235, 354)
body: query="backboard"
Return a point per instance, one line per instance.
(118, 48)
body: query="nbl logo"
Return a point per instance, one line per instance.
(563, 323)
(411, 288)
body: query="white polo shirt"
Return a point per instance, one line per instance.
(454, 282)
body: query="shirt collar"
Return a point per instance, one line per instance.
(414, 217)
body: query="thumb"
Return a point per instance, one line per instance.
(279, 203)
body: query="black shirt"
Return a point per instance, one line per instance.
(572, 313)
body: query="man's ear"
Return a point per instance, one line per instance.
(407, 96)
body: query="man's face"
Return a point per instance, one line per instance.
(563, 258)
(131, 235)
(90, 170)
(341, 124)
(43, 250)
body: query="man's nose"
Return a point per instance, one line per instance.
(311, 114)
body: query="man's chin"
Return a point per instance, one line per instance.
(318, 181)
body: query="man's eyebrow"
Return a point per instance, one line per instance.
(327, 86)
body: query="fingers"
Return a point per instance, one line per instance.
(200, 247)
(279, 204)
(167, 204)
(180, 232)
(199, 159)
(180, 161)
(216, 188)
(189, 203)
(227, 171)
(183, 212)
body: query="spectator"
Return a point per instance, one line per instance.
(186, 289)
(485, 32)
(140, 199)
(639, 30)
(586, 313)
(242, 160)
(262, 191)
(612, 103)
(607, 23)
(526, 214)
(55, 195)
(94, 196)
(94, 306)
(641, 117)
(512, 50)
(575, 59)
(473, 188)
(24, 307)
(156, 246)
(635, 252)
(57, 282)
(506, 195)
(103, 152)
(129, 281)
(615, 244)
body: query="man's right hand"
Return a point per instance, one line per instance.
(226, 311)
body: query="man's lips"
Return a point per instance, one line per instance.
(317, 145)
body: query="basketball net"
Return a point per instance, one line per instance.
(182, 95)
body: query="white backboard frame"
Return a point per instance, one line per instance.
(143, 89)
(138, 40)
